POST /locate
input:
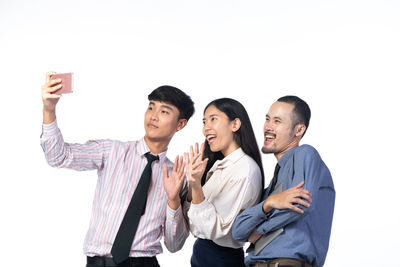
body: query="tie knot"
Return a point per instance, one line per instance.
(151, 157)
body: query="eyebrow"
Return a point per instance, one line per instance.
(212, 115)
(276, 117)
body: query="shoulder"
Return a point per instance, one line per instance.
(246, 167)
(307, 152)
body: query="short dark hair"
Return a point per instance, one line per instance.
(244, 137)
(176, 97)
(301, 113)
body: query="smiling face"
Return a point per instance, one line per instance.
(161, 121)
(280, 135)
(219, 131)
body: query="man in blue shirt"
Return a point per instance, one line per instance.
(301, 228)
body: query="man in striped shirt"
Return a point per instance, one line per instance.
(119, 167)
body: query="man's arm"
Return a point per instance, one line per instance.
(176, 228)
(306, 169)
(251, 218)
(64, 155)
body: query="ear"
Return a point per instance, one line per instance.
(181, 124)
(300, 129)
(236, 124)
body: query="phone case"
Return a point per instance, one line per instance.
(67, 82)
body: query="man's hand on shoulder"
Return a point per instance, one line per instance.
(288, 198)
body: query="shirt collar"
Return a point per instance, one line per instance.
(228, 160)
(142, 148)
(286, 156)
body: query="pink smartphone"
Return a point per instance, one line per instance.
(67, 82)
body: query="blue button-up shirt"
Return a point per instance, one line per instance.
(305, 236)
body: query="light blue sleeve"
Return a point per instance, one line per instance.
(307, 168)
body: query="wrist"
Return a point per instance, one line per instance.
(49, 115)
(197, 195)
(267, 207)
(195, 185)
(174, 204)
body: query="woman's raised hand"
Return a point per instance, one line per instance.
(195, 165)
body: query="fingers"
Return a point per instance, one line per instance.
(296, 209)
(175, 167)
(203, 145)
(197, 164)
(195, 158)
(165, 171)
(306, 196)
(181, 168)
(48, 75)
(191, 152)
(54, 96)
(301, 202)
(299, 185)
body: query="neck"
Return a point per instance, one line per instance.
(156, 147)
(230, 149)
(291, 145)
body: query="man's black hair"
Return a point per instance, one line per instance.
(301, 110)
(176, 97)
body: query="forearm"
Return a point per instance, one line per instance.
(278, 219)
(91, 155)
(49, 116)
(247, 221)
(205, 222)
(176, 229)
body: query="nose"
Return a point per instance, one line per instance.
(267, 127)
(206, 128)
(154, 115)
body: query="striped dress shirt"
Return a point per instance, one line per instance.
(119, 166)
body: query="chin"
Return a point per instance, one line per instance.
(213, 149)
(267, 150)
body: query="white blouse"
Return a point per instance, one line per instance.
(233, 184)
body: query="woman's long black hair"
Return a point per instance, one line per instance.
(244, 137)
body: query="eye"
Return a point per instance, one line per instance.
(150, 108)
(165, 112)
(213, 118)
(277, 121)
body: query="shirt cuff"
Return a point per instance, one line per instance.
(174, 214)
(201, 206)
(49, 129)
(263, 217)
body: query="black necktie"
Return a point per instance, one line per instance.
(126, 233)
(274, 179)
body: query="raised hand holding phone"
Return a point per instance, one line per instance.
(50, 98)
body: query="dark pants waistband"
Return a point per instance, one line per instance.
(130, 262)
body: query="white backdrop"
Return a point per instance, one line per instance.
(341, 56)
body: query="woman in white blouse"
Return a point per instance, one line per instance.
(225, 177)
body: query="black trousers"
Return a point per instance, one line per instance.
(130, 262)
(208, 254)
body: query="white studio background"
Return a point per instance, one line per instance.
(342, 57)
